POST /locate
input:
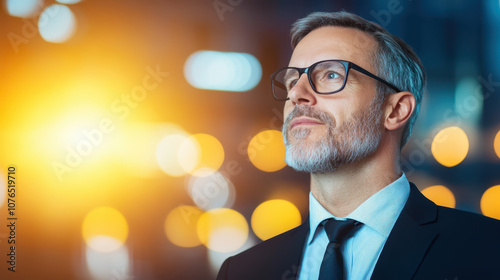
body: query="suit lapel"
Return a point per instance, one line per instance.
(409, 240)
(288, 264)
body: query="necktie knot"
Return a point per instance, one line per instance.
(332, 266)
(338, 230)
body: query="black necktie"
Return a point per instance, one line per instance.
(332, 266)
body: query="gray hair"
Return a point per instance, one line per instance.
(394, 60)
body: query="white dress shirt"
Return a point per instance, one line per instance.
(361, 251)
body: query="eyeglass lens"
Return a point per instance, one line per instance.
(326, 77)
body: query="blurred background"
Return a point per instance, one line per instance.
(143, 142)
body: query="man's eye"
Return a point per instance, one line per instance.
(333, 75)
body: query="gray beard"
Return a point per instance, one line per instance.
(356, 139)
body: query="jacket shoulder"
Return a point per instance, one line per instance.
(275, 258)
(467, 246)
(455, 218)
(276, 245)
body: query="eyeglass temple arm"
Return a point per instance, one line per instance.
(359, 69)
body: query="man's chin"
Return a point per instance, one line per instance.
(305, 158)
(309, 167)
(298, 134)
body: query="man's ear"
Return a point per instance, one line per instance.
(398, 109)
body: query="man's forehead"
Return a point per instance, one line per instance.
(334, 42)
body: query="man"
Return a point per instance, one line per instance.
(352, 93)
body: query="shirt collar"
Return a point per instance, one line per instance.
(378, 212)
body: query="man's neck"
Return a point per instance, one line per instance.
(342, 191)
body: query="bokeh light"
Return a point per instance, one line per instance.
(450, 146)
(23, 8)
(140, 160)
(211, 154)
(496, 144)
(189, 154)
(222, 71)
(467, 102)
(177, 154)
(266, 151)
(213, 191)
(222, 230)
(57, 24)
(216, 259)
(181, 226)
(105, 229)
(490, 205)
(440, 195)
(108, 265)
(273, 217)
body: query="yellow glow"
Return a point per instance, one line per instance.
(273, 217)
(58, 107)
(104, 229)
(266, 151)
(181, 226)
(75, 145)
(211, 154)
(73, 129)
(440, 195)
(59, 125)
(3, 189)
(490, 202)
(177, 154)
(496, 144)
(450, 146)
(222, 230)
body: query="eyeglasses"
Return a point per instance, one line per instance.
(325, 77)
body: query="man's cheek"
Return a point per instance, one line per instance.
(287, 109)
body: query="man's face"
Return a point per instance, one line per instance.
(323, 132)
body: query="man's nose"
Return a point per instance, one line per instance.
(302, 92)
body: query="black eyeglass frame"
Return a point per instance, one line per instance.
(348, 66)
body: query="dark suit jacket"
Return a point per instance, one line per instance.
(427, 242)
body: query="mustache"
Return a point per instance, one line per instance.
(311, 112)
